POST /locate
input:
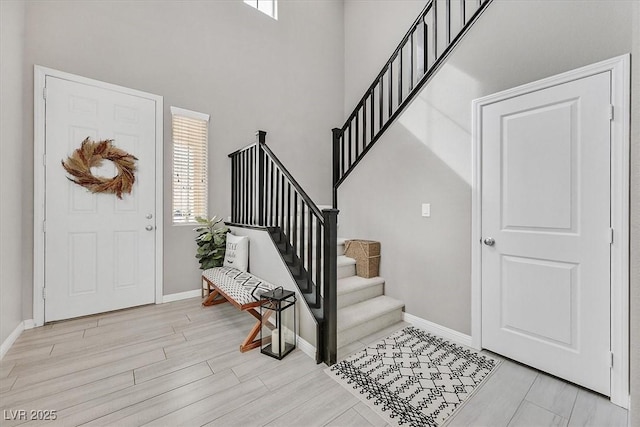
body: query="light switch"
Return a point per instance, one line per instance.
(426, 209)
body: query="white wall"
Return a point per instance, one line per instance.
(426, 156)
(223, 58)
(372, 31)
(11, 163)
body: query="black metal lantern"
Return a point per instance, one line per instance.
(278, 331)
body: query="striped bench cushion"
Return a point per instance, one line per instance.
(241, 286)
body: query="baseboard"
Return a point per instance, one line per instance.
(182, 295)
(436, 329)
(13, 336)
(29, 324)
(306, 347)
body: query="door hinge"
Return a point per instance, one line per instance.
(44, 226)
(44, 93)
(611, 359)
(44, 160)
(44, 293)
(611, 236)
(610, 111)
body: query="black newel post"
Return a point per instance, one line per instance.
(329, 305)
(337, 134)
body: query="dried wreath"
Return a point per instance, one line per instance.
(90, 155)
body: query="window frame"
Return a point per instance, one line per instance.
(192, 115)
(256, 5)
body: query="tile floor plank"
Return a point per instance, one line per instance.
(115, 340)
(28, 353)
(6, 383)
(107, 404)
(214, 406)
(318, 411)
(591, 409)
(498, 399)
(6, 367)
(29, 375)
(368, 414)
(55, 385)
(278, 377)
(44, 340)
(76, 396)
(533, 415)
(168, 402)
(553, 395)
(277, 403)
(349, 418)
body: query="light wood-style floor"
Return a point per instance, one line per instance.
(178, 364)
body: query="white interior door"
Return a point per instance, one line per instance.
(546, 230)
(99, 250)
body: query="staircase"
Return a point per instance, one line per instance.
(362, 306)
(264, 194)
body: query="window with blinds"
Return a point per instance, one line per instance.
(190, 140)
(268, 7)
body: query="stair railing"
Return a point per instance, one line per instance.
(265, 194)
(410, 67)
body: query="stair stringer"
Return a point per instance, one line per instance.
(298, 275)
(266, 262)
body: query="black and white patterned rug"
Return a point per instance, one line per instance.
(413, 378)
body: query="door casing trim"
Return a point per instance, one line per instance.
(39, 81)
(619, 67)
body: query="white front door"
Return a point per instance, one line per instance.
(546, 230)
(99, 250)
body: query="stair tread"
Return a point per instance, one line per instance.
(356, 283)
(362, 312)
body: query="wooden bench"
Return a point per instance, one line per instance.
(242, 290)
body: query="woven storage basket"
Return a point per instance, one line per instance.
(367, 256)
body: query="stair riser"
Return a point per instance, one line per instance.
(346, 271)
(362, 330)
(360, 295)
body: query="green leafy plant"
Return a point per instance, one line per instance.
(212, 241)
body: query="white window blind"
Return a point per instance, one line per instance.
(190, 140)
(268, 7)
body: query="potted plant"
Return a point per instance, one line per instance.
(212, 241)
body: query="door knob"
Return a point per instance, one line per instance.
(489, 241)
(149, 227)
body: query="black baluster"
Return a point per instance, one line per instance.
(289, 211)
(310, 251)
(463, 17)
(302, 232)
(411, 59)
(435, 30)
(448, 20)
(357, 138)
(373, 115)
(295, 222)
(318, 258)
(400, 78)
